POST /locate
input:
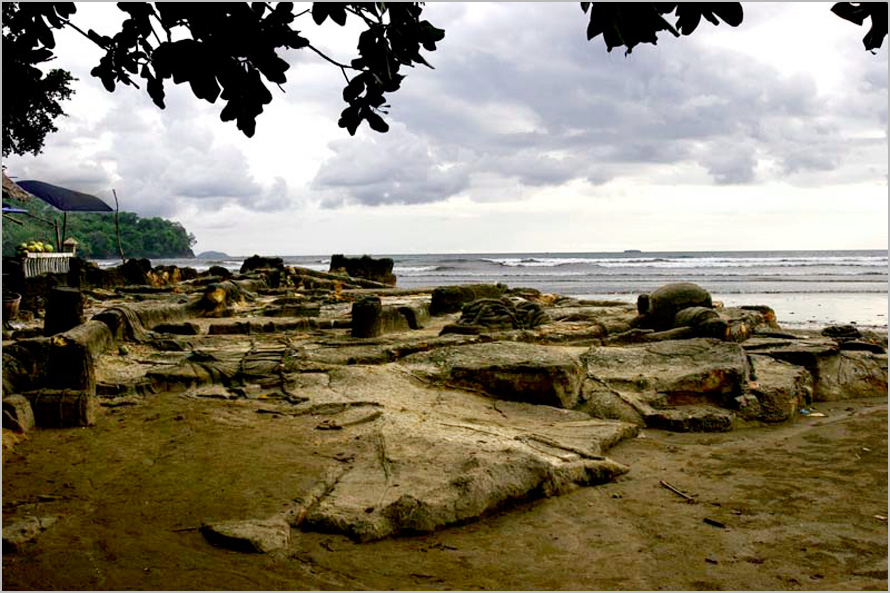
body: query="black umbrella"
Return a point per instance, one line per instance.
(64, 199)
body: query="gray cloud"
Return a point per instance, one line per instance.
(505, 102)
(396, 168)
(518, 100)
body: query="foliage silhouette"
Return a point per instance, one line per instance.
(230, 51)
(30, 97)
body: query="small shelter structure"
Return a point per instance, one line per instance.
(60, 198)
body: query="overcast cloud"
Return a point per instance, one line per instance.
(525, 137)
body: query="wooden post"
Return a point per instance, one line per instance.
(58, 237)
(117, 225)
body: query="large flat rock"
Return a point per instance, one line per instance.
(420, 475)
(675, 369)
(651, 384)
(507, 370)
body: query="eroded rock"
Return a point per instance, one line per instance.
(249, 536)
(17, 532)
(17, 413)
(519, 372)
(780, 388)
(642, 383)
(450, 299)
(467, 470)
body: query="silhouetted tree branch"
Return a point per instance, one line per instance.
(230, 51)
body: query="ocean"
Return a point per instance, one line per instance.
(807, 289)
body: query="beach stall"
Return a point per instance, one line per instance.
(42, 260)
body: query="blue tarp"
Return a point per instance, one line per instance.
(64, 199)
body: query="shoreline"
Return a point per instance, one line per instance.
(296, 414)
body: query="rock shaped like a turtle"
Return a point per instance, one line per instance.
(659, 308)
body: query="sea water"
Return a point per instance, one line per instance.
(805, 288)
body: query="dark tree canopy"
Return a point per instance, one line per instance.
(30, 97)
(229, 51)
(631, 23)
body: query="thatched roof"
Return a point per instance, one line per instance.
(12, 190)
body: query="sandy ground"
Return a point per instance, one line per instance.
(801, 506)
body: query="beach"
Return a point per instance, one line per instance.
(281, 427)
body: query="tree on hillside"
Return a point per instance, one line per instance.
(229, 50)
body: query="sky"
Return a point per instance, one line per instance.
(525, 137)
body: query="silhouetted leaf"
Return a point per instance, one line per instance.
(376, 122)
(730, 12)
(854, 14)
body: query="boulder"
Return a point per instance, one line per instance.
(220, 272)
(249, 536)
(256, 262)
(519, 372)
(170, 275)
(135, 271)
(25, 365)
(658, 309)
(780, 388)
(744, 322)
(845, 332)
(17, 532)
(370, 318)
(837, 374)
(676, 369)
(643, 383)
(17, 413)
(378, 270)
(851, 375)
(450, 299)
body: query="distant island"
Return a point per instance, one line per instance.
(632, 251)
(213, 255)
(96, 235)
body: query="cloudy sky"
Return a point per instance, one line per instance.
(525, 137)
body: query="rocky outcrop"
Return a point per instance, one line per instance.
(257, 262)
(371, 318)
(450, 299)
(837, 374)
(643, 383)
(485, 315)
(17, 532)
(377, 270)
(249, 536)
(518, 372)
(17, 413)
(779, 389)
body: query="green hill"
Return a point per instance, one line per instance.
(96, 235)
